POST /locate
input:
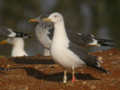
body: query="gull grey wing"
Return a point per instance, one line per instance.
(44, 32)
(88, 59)
(47, 26)
(82, 39)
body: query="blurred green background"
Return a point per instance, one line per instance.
(89, 16)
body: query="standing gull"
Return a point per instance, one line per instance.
(44, 32)
(16, 39)
(66, 53)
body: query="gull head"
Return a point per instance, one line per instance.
(54, 17)
(11, 41)
(19, 37)
(8, 41)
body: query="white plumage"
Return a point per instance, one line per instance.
(12, 34)
(44, 39)
(63, 54)
(59, 47)
(17, 47)
(16, 39)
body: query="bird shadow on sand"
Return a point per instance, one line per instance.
(56, 77)
(30, 60)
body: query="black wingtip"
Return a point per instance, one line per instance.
(106, 42)
(23, 35)
(102, 70)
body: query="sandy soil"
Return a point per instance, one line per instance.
(41, 73)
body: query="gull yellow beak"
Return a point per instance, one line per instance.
(47, 20)
(33, 20)
(3, 42)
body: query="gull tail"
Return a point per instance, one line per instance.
(100, 68)
(93, 62)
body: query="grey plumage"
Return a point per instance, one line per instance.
(44, 32)
(89, 60)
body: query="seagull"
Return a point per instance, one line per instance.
(44, 32)
(66, 53)
(16, 39)
(91, 40)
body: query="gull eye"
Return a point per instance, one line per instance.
(55, 16)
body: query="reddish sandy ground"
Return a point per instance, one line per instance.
(40, 73)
